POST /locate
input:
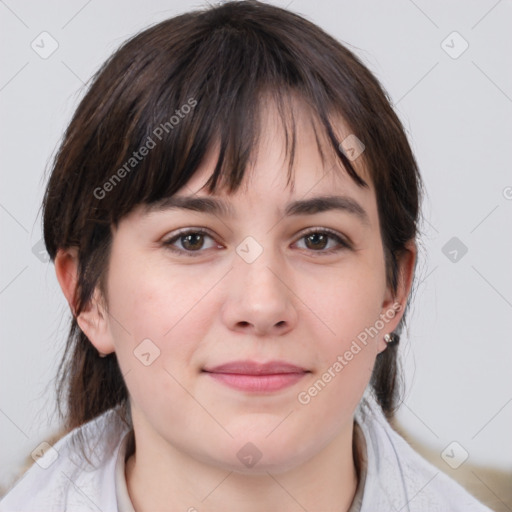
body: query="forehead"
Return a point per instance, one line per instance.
(316, 167)
(318, 180)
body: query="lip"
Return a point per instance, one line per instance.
(257, 377)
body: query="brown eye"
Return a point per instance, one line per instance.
(317, 240)
(191, 241)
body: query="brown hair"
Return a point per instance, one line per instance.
(218, 62)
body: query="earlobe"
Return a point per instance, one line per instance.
(93, 318)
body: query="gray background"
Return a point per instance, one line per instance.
(456, 106)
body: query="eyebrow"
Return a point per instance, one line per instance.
(223, 208)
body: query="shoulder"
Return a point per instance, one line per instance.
(63, 480)
(398, 478)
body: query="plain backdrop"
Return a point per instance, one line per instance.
(446, 68)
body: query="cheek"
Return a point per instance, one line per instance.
(347, 337)
(156, 311)
(154, 337)
(351, 303)
(151, 301)
(346, 350)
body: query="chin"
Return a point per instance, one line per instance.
(261, 455)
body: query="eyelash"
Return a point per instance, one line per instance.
(200, 231)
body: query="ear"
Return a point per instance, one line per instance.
(93, 319)
(393, 306)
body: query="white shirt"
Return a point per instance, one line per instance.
(395, 476)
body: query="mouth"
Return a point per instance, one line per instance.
(257, 377)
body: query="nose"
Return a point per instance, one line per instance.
(259, 300)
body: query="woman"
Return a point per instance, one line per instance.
(233, 216)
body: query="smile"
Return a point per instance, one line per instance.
(258, 383)
(257, 377)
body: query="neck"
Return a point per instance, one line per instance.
(160, 477)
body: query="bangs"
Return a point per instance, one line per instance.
(186, 97)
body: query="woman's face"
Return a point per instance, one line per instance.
(257, 289)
